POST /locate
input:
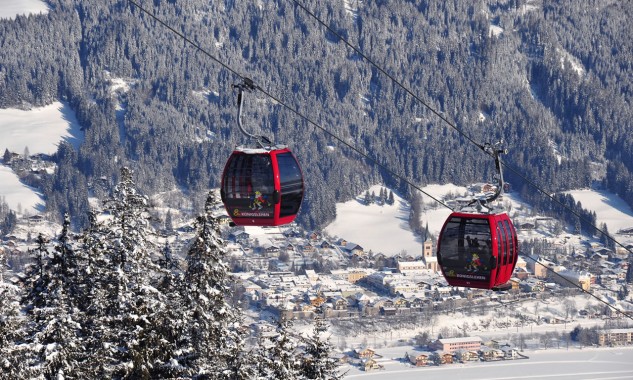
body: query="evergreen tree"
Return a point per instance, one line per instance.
(12, 363)
(391, 198)
(278, 355)
(317, 361)
(169, 223)
(6, 158)
(54, 330)
(214, 347)
(132, 328)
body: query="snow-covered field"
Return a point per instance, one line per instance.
(18, 196)
(11, 8)
(40, 130)
(609, 208)
(562, 364)
(383, 229)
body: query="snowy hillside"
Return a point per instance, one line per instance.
(380, 228)
(609, 208)
(385, 228)
(11, 8)
(39, 130)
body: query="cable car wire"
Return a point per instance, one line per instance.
(450, 124)
(290, 108)
(466, 136)
(352, 147)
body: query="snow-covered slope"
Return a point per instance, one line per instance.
(386, 229)
(40, 130)
(11, 8)
(382, 229)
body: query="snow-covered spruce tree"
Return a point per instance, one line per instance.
(215, 345)
(129, 334)
(278, 356)
(12, 351)
(317, 361)
(53, 331)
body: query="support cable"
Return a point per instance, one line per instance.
(352, 147)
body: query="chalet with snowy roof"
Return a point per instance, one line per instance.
(468, 355)
(292, 233)
(421, 359)
(371, 365)
(270, 250)
(239, 236)
(288, 247)
(364, 353)
(446, 357)
(491, 354)
(326, 245)
(308, 248)
(510, 353)
(354, 249)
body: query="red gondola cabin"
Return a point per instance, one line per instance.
(478, 250)
(262, 187)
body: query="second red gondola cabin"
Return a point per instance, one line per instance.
(478, 250)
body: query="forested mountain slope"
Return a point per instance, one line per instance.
(552, 79)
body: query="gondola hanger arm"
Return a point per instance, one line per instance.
(248, 85)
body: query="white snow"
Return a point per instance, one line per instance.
(9, 9)
(495, 30)
(19, 197)
(40, 130)
(435, 214)
(588, 363)
(567, 58)
(383, 229)
(609, 208)
(351, 7)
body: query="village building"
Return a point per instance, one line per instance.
(615, 337)
(451, 345)
(421, 359)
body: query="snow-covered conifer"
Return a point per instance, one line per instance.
(12, 363)
(53, 334)
(317, 361)
(278, 355)
(129, 332)
(215, 345)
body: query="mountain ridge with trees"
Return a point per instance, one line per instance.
(550, 79)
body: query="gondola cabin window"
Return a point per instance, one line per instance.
(291, 182)
(249, 184)
(466, 249)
